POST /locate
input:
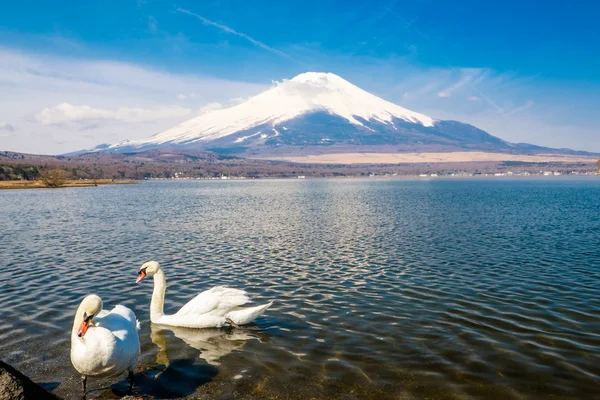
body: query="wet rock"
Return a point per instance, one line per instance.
(16, 386)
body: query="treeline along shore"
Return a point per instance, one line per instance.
(18, 170)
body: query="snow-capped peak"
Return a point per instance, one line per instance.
(307, 92)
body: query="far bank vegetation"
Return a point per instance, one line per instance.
(54, 178)
(37, 176)
(31, 176)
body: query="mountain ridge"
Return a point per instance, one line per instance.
(316, 110)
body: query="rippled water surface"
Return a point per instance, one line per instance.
(447, 289)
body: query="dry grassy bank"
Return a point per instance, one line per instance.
(38, 184)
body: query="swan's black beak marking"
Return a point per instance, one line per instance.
(87, 320)
(141, 275)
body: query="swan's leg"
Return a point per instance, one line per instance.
(130, 382)
(232, 324)
(83, 382)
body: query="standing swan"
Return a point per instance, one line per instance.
(212, 308)
(103, 343)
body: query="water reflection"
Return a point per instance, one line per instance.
(178, 372)
(213, 344)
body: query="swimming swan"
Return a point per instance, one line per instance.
(212, 308)
(103, 343)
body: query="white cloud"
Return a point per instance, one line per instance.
(456, 86)
(238, 100)
(65, 113)
(513, 107)
(65, 104)
(210, 107)
(519, 109)
(5, 126)
(119, 97)
(183, 96)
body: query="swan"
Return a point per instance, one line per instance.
(212, 308)
(103, 343)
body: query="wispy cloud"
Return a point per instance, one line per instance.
(442, 83)
(210, 107)
(451, 89)
(152, 24)
(81, 103)
(186, 96)
(66, 113)
(228, 29)
(520, 109)
(422, 90)
(410, 25)
(473, 81)
(5, 126)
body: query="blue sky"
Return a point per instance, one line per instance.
(91, 72)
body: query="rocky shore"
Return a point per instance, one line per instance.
(16, 386)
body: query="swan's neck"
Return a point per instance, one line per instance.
(158, 296)
(78, 320)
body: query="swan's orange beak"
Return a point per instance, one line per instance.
(141, 275)
(84, 327)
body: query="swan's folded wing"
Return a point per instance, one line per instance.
(119, 318)
(218, 300)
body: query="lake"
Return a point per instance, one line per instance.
(384, 289)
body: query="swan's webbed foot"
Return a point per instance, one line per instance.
(83, 382)
(130, 382)
(232, 324)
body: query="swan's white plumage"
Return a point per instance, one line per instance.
(218, 300)
(209, 309)
(110, 346)
(245, 315)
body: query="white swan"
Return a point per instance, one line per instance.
(103, 343)
(212, 308)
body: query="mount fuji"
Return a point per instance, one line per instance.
(321, 112)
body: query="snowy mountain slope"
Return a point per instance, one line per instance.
(318, 112)
(308, 92)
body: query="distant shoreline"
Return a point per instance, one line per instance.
(38, 184)
(425, 158)
(168, 164)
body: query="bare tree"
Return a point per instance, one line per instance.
(54, 178)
